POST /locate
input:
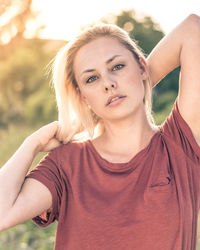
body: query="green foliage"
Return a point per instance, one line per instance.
(163, 104)
(12, 137)
(146, 32)
(25, 87)
(28, 236)
(41, 105)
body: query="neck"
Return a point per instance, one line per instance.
(131, 134)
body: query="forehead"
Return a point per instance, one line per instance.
(102, 44)
(97, 51)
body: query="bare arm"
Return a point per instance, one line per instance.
(181, 47)
(17, 205)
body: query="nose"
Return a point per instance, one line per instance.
(112, 86)
(109, 84)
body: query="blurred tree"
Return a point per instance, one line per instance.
(24, 88)
(15, 19)
(25, 94)
(144, 31)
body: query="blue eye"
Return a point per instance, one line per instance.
(118, 66)
(91, 79)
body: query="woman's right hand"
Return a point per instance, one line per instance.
(45, 137)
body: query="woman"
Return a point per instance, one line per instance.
(131, 185)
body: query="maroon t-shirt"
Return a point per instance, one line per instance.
(148, 203)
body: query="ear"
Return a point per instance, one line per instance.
(144, 68)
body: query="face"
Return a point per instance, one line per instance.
(110, 79)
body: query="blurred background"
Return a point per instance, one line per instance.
(31, 33)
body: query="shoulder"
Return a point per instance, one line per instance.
(70, 149)
(73, 145)
(177, 131)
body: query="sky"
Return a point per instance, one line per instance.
(65, 18)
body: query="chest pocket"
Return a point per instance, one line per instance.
(160, 187)
(160, 193)
(161, 183)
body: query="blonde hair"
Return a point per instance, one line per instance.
(74, 115)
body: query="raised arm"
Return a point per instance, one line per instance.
(181, 47)
(19, 200)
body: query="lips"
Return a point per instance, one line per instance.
(114, 98)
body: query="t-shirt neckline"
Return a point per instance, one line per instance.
(121, 167)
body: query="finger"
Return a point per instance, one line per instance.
(53, 143)
(52, 127)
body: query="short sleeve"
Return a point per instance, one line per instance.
(178, 130)
(48, 173)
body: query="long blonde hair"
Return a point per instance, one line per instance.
(74, 115)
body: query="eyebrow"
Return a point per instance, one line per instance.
(107, 62)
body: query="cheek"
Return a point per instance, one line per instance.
(91, 99)
(135, 88)
(96, 103)
(135, 82)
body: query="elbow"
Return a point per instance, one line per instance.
(193, 17)
(193, 21)
(4, 225)
(2, 228)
